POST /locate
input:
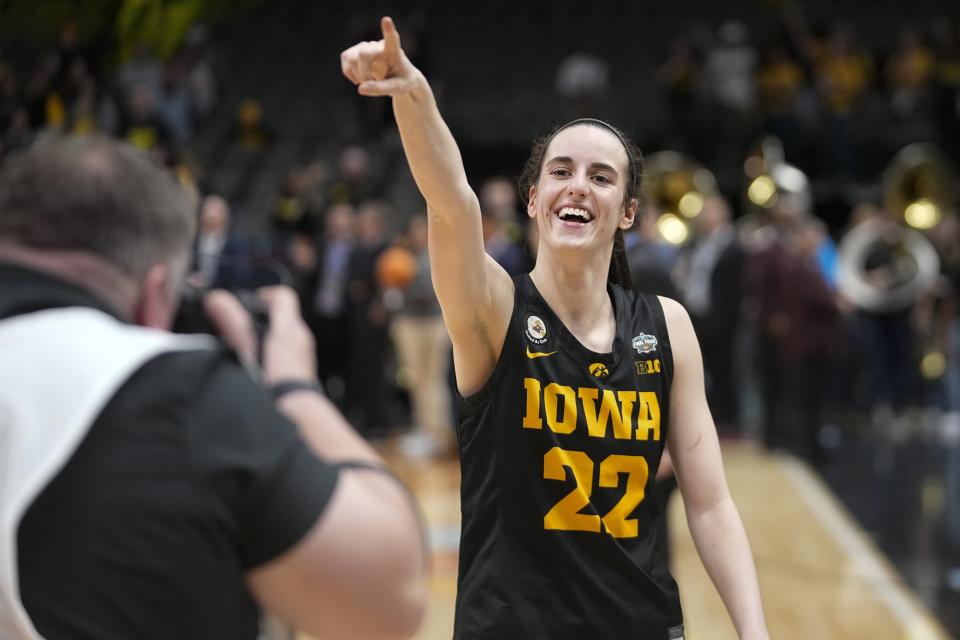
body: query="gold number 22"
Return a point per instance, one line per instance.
(566, 516)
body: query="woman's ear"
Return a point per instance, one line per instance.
(531, 201)
(629, 214)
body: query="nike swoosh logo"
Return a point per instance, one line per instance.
(538, 354)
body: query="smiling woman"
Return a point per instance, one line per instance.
(572, 389)
(603, 174)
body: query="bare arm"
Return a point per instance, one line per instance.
(714, 522)
(475, 294)
(360, 572)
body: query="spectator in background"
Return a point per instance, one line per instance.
(498, 198)
(367, 332)
(151, 488)
(9, 95)
(249, 131)
(74, 82)
(84, 116)
(289, 213)
(19, 134)
(781, 82)
(808, 345)
(142, 126)
(327, 313)
(423, 353)
(175, 105)
(40, 97)
(946, 87)
(947, 241)
(728, 88)
(583, 79)
(143, 71)
(221, 260)
(356, 181)
(714, 295)
(651, 260)
(909, 71)
(909, 79)
(302, 200)
(69, 54)
(678, 76)
(504, 231)
(949, 245)
(887, 335)
(843, 73)
(301, 260)
(796, 322)
(200, 79)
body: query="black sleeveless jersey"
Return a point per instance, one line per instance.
(559, 450)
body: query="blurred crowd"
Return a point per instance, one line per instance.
(72, 88)
(790, 358)
(840, 106)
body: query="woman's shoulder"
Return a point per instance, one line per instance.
(670, 307)
(679, 327)
(673, 311)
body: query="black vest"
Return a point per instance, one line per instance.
(559, 450)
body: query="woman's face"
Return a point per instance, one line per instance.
(578, 201)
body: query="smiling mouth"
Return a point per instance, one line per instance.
(575, 215)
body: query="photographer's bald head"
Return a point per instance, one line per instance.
(102, 215)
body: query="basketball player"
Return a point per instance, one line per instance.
(571, 387)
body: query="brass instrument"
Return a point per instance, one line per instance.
(771, 179)
(676, 187)
(887, 265)
(917, 186)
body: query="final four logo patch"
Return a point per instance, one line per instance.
(645, 343)
(536, 330)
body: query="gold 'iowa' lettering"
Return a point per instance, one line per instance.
(561, 406)
(648, 421)
(552, 395)
(609, 409)
(531, 419)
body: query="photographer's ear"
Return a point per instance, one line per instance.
(156, 305)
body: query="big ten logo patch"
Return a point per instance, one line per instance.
(645, 367)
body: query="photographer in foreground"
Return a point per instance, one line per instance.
(149, 488)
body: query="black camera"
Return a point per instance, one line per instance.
(241, 277)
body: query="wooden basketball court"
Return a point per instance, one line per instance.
(821, 576)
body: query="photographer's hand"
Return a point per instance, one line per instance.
(232, 323)
(288, 348)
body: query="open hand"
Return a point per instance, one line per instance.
(380, 68)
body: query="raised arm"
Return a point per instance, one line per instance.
(475, 293)
(714, 522)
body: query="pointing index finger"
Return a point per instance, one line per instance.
(391, 39)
